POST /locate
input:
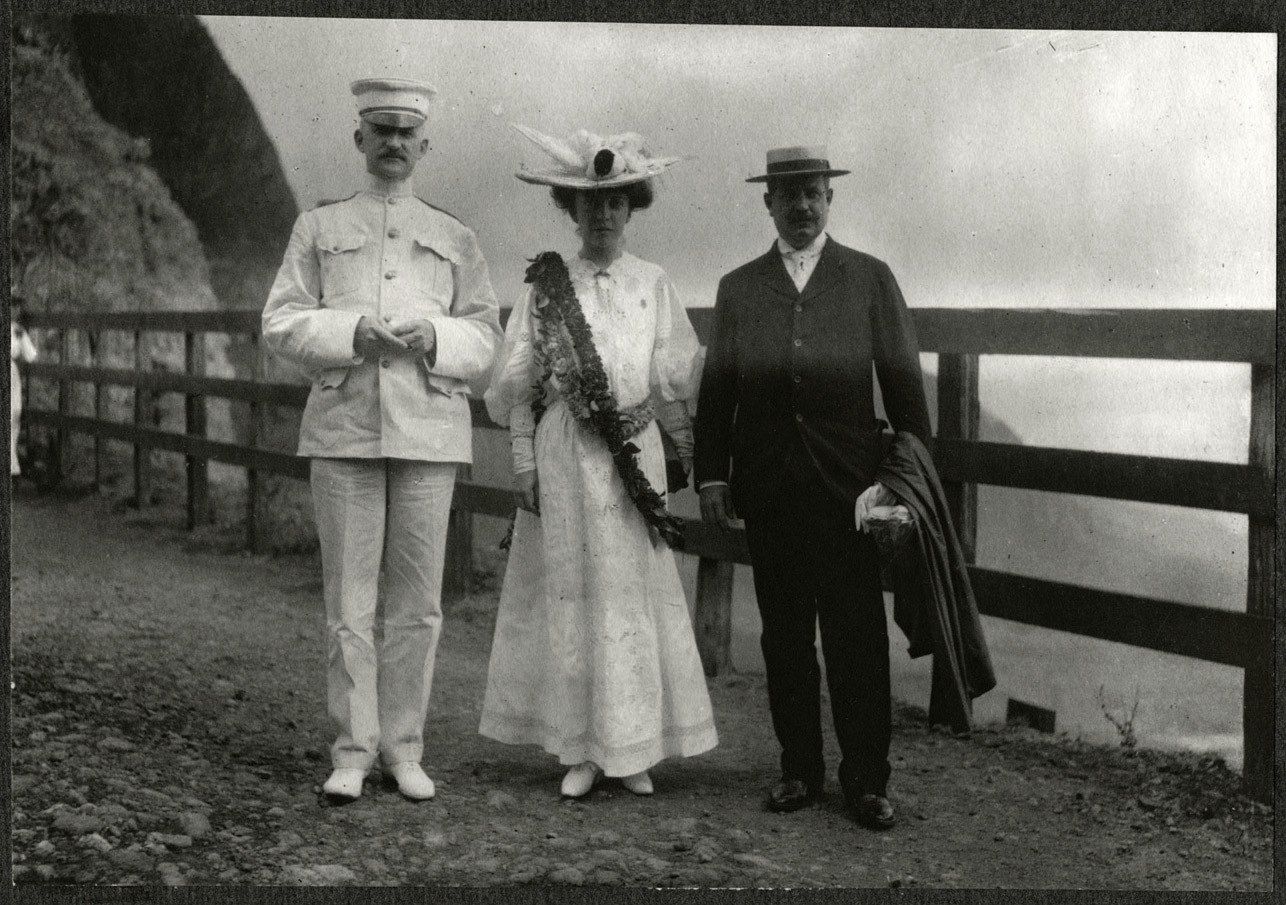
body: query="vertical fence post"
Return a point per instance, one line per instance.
(713, 615)
(457, 578)
(142, 411)
(959, 413)
(198, 470)
(1258, 728)
(252, 476)
(61, 457)
(97, 356)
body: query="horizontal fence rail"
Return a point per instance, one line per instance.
(1176, 334)
(959, 337)
(1147, 479)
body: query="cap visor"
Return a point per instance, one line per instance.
(397, 120)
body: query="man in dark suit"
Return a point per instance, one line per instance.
(786, 433)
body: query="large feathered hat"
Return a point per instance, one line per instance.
(589, 161)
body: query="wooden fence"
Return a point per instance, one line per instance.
(959, 337)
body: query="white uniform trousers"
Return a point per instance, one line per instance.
(381, 519)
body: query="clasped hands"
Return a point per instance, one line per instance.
(381, 336)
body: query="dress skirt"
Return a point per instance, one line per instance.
(594, 657)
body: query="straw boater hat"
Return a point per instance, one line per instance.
(393, 102)
(589, 161)
(804, 160)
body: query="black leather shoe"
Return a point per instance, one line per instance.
(791, 795)
(874, 812)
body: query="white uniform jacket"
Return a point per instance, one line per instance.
(394, 256)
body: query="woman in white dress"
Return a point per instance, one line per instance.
(594, 657)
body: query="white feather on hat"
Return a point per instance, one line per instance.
(589, 161)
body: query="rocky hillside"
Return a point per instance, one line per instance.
(143, 179)
(92, 224)
(162, 78)
(93, 227)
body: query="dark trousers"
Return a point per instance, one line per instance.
(811, 564)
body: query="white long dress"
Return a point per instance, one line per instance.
(594, 656)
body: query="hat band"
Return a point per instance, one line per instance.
(391, 108)
(804, 164)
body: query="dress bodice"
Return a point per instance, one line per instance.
(639, 327)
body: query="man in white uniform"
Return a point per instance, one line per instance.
(386, 302)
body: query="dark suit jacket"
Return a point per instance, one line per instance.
(788, 380)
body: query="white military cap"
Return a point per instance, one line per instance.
(393, 102)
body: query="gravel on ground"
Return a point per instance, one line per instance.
(168, 728)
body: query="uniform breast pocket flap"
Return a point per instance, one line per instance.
(431, 261)
(446, 386)
(340, 255)
(332, 378)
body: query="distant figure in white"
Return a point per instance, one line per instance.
(386, 302)
(21, 348)
(594, 657)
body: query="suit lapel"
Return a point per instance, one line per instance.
(829, 270)
(772, 271)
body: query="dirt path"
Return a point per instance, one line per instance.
(169, 727)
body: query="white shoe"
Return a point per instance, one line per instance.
(580, 779)
(345, 783)
(638, 783)
(412, 781)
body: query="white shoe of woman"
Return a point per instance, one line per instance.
(580, 779)
(412, 781)
(344, 784)
(638, 783)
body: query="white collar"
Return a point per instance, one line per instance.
(612, 269)
(811, 250)
(388, 189)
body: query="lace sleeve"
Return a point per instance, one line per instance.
(676, 354)
(514, 375)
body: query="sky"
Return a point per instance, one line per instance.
(989, 169)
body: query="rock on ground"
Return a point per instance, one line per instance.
(211, 666)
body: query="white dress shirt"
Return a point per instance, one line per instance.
(801, 262)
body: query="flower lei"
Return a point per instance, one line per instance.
(566, 352)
